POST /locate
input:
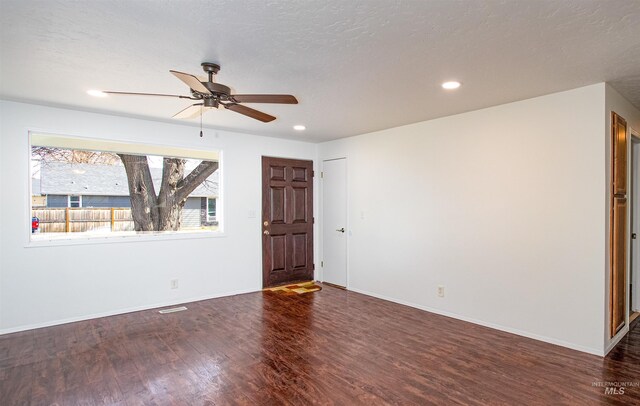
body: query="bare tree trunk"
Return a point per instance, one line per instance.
(176, 188)
(144, 209)
(169, 204)
(162, 212)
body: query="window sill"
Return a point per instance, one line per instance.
(89, 240)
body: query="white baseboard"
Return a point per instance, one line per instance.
(122, 311)
(538, 337)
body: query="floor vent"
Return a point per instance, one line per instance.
(173, 310)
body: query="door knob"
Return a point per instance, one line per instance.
(266, 223)
(266, 232)
(340, 230)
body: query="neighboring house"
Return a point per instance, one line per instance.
(63, 184)
(37, 200)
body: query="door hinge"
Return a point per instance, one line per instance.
(322, 174)
(313, 267)
(321, 264)
(313, 174)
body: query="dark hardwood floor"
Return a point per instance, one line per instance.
(328, 347)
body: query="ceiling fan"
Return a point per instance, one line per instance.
(212, 95)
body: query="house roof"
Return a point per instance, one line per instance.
(62, 178)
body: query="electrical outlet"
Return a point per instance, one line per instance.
(174, 284)
(440, 291)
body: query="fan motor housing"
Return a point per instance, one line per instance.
(210, 102)
(217, 88)
(218, 92)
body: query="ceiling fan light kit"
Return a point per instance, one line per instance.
(212, 95)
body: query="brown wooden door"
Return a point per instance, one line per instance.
(287, 221)
(619, 155)
(618, 226)
(618, 264)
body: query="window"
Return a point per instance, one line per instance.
(211, 209)
(85, 187)
(75, 201)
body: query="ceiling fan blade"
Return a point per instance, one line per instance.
(192, 81)
(147, 94)
(265, 98)
(249, 112)
(192, 111)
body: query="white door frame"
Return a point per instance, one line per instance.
(348, 221)
(633, 277)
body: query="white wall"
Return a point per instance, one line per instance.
(48, 285)
(615, 102)
(504, 206)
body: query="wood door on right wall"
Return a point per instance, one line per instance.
(618, 225)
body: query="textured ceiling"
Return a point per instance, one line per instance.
(355, 66)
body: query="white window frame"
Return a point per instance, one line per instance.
(69, 201)
(212, 218)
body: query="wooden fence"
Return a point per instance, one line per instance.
(77, 220)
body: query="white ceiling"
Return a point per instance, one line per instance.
(355, 66)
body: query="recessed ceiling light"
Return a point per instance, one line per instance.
(451, 85)
(299, 127)
(96, 93)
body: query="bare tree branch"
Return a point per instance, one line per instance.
(198, 175)
(74, 156)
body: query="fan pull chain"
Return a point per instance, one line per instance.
(201, 107)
